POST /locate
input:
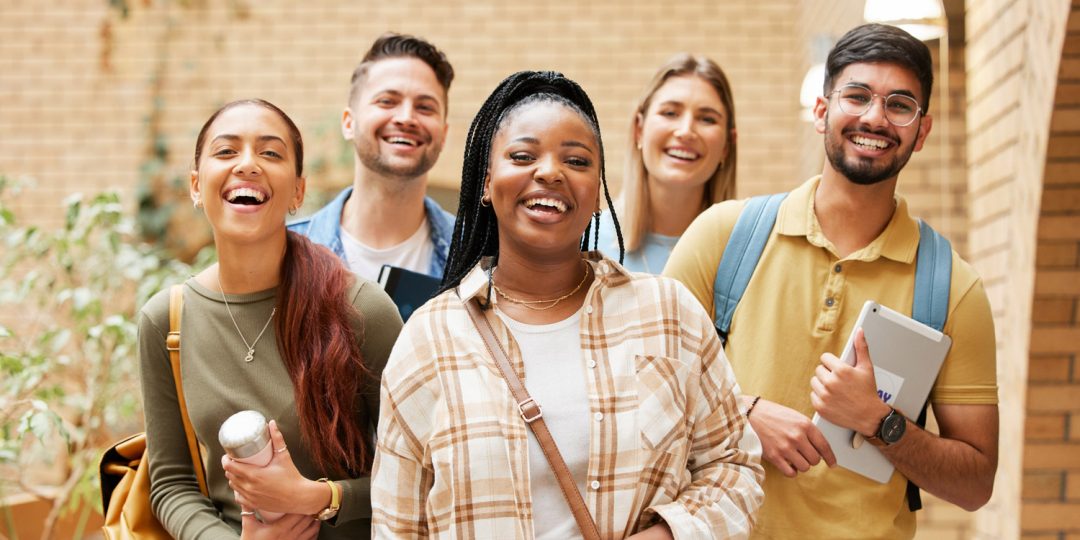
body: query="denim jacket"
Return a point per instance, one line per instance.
(324, 227)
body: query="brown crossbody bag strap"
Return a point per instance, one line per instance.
(534, 418)
(172, 342)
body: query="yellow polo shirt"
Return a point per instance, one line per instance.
(803, 301)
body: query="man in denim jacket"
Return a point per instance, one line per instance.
(396, 120)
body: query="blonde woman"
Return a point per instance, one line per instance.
(681, 160)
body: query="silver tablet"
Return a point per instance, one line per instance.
(907, 356)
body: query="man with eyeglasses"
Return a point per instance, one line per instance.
(840, 239)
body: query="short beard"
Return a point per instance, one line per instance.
(862, 172)
(370, 157)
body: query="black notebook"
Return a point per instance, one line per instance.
(409, 290)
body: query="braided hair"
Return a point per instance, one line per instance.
(476, 229)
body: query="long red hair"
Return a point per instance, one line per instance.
(317, 340)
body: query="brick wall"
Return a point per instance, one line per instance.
(86, 90)
(1013, 51)
(1051, 479)
(824, 21)
(935, 180)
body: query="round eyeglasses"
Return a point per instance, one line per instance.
(900, 110)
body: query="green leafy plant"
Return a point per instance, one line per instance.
(68, 369)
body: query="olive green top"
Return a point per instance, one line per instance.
(217, 383)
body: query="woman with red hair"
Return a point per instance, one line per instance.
(277, 325)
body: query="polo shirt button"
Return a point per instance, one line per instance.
(595, 484)
(599, 416)
(592, 364)
(838, 268)
(588, 309)
(829, 302)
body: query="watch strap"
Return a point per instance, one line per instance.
(335, 500)
(874, 440)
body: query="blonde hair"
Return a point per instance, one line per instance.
(634, 199)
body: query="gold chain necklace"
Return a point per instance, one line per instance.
(530, 304)
(250, 346)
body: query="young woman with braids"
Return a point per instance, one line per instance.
(279, 326)
(681, 160)
(627, 368)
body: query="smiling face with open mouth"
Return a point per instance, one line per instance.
(246, 179)
(544, 179)
(397, 123)
(868, 149)
(683, 134)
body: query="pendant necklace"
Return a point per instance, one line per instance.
(250, 346)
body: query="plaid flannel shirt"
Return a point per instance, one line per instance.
(452, 457)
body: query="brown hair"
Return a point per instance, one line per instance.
(634, 199)
(316, 339)
(393, 45)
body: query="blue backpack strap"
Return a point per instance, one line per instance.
(930, 306)
(741, 256)
(933, 276)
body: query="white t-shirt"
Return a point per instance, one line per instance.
(413, 254)
(555, 378)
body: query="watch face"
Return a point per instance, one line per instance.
(892, 428)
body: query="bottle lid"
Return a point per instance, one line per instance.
(244, 434)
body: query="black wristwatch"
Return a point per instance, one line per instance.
(891, 429)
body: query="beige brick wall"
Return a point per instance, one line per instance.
(1051, 466)
(86, 86)
(89, 89)
(824, 20)
(1013, 50)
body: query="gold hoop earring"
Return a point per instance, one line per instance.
(292, 211)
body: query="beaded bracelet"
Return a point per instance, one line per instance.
(752, 405)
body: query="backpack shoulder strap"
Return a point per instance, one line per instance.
(172, 342)
(930, 305)
(933, 276)
(740, 258)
